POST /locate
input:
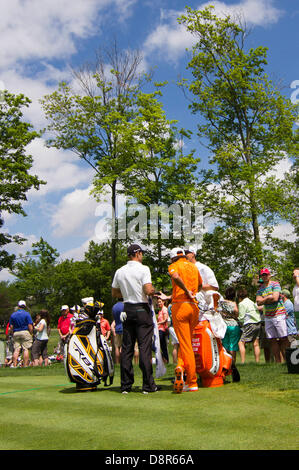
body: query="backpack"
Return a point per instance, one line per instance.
(89, 360)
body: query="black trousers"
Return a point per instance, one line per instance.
(163, 344)
(138, 326)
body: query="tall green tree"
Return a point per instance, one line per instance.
(34, 272)
(9, 297)
(91, 121)
(160, 176)
(247, 124)
(15, 165)
(46, 281)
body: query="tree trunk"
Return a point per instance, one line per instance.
(114, 229)
(256, 232)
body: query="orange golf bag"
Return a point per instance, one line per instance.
(213, 363)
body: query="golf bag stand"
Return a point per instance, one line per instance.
(213, 363)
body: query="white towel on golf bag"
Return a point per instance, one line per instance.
(207, 312)
(218, 325)
(160, 366)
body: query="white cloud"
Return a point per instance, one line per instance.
(79, 213)
(18, 250)
(47, 29)
(61, 169)
(37, 30)
(75, 214)
(124, 8)
(34, 33)
(285, 231)
(255, 12)
(35, 88)
(6, 276)
(77, 254)
(283, 167)
(171, 39)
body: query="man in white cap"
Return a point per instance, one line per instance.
(133, 283)
(21, 325)
(209, 281)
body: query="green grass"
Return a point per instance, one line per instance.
(40, 409)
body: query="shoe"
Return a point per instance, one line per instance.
(235, 374)
(157, 389)
(179, 380)
(186, 388)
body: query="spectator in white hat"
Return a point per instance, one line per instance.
(209, 281)
(21, 326)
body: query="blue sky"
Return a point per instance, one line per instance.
(42, 39)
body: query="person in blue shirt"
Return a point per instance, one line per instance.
(21, 326)
(290, 318)
(117, 329)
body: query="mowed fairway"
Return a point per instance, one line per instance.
(40, 409)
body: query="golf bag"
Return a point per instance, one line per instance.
(213, 363)
(89, 361)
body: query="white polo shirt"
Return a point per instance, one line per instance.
(207, 275)
(130, 279)
(296, 298)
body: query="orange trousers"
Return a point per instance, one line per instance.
(185, 319)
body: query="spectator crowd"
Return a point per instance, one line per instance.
(267, 321)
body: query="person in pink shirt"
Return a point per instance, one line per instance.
(104, 325)
(162, 322)
(63, 326)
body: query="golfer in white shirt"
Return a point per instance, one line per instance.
(133, 283)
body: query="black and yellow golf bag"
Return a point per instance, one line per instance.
(89, 361)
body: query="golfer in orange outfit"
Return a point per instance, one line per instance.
(186, 282)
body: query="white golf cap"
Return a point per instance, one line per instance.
(86, 300)
(191, 249)
(64, 307)
(176, 252)
(22, 303)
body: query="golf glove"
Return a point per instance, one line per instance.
(123, 316)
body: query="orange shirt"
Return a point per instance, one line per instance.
(104, 325)
(189, 274)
